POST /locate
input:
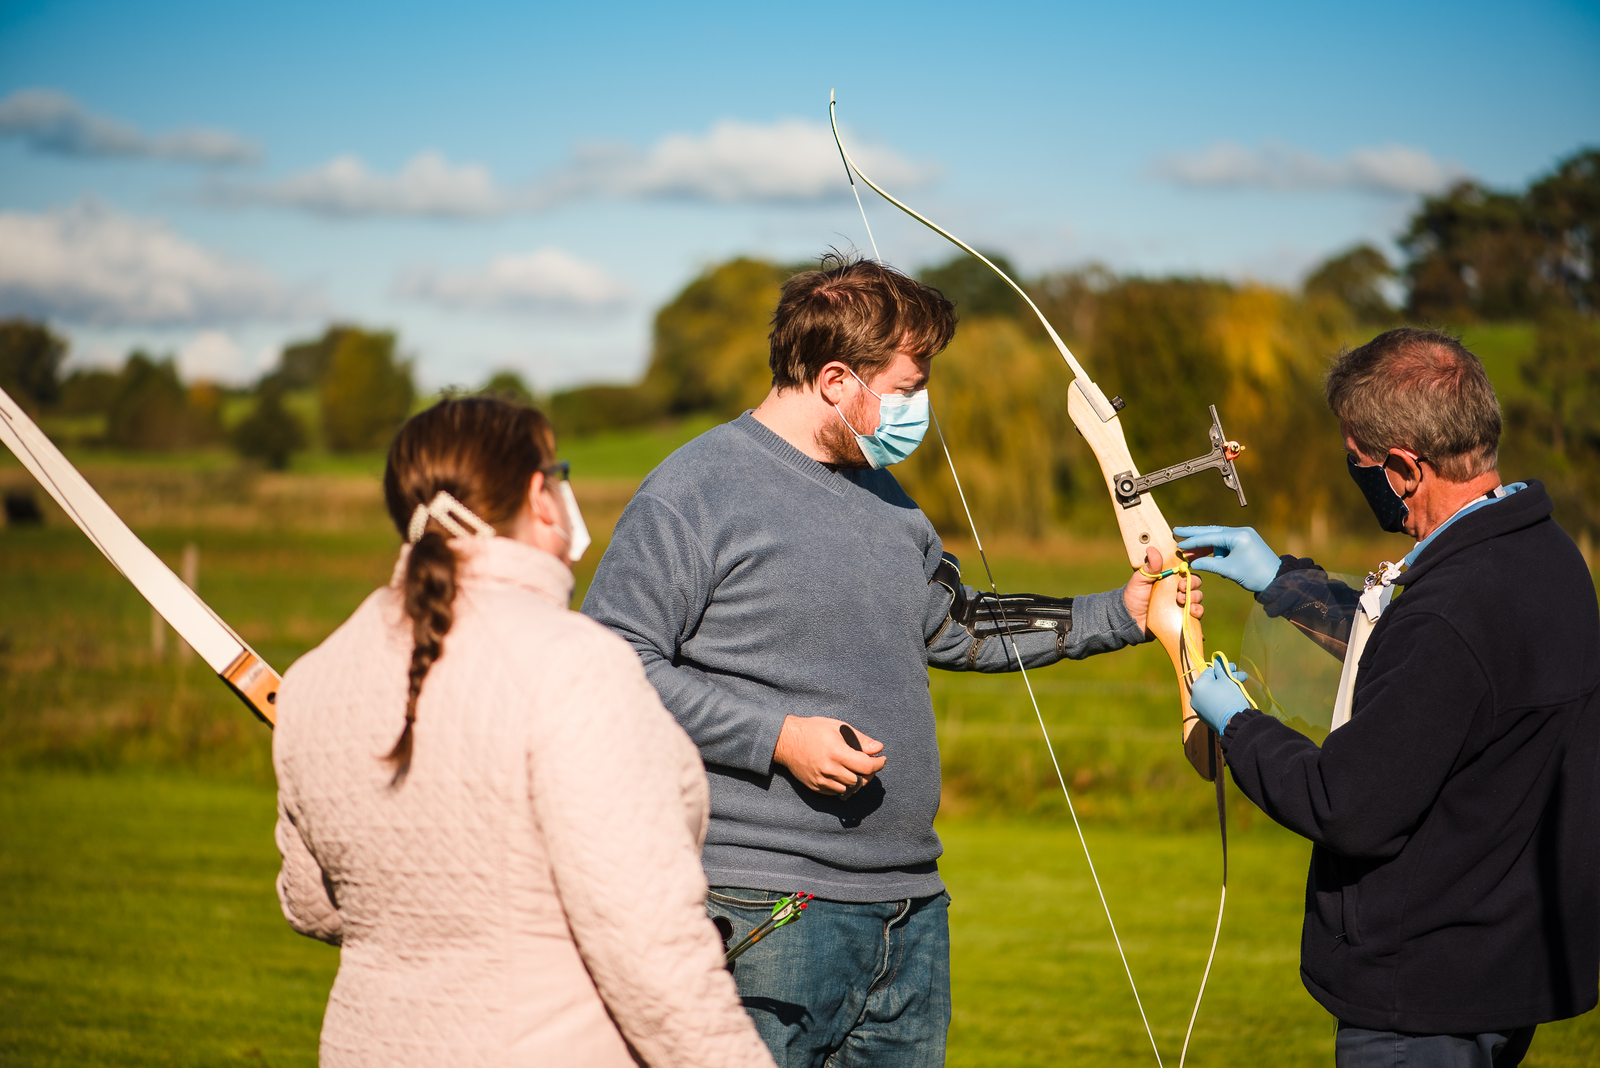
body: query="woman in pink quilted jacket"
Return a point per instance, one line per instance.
(481, 800)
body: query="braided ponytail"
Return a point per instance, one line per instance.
(483, 451)
(430, 593)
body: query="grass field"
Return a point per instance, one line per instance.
(141, 929)
(136, 861)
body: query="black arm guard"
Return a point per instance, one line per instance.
(986, 616)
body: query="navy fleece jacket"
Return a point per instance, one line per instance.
(756, 583)
(1455, 876)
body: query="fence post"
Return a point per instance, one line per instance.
(191, 579)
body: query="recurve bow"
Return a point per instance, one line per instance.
(1138, 517)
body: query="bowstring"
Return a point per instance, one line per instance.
(1189, 656)
(1014, 654)
(850, 173)
(1008, 643)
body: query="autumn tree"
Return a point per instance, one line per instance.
(270, 433)
(710, 347)
(151, 409)
(1171, 347)
(1476, 253)
(1472, 255)
(596, 409)
(1565, 210)
(1000, 399)
(975, 290)
(88, 391)
(365, 392)
(508, 385)
(1355, 278)
(304, 364)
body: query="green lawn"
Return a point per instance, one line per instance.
(141, 929)
(1037, 979)
(136, 859)
(629, 454)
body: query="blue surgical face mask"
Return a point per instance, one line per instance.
(1390, 508)
(902, 422)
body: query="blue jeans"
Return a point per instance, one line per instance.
(845, 985)
(1356, 1047)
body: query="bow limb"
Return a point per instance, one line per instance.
(1142, 525)
(1102, 408)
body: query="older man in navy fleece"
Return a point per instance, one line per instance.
(1453, 902)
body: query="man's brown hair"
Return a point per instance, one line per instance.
(856, 311)
(1419, 390)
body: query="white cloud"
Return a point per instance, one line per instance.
(91, 264)
(428, 185)
(789, 161)
(53, 122)
(214, 356)
(545, 280)
(1389, 169)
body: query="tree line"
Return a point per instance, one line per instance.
(347, 390)
(1170, 346)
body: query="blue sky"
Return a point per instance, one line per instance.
(522, 185)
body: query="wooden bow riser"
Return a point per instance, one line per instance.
(1144, 527)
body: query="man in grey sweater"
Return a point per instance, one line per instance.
(787, 599)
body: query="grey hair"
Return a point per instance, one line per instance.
(1419, 390)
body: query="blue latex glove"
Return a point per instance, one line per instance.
(1217, 698)
(1237, 553)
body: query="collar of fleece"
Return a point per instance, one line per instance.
(1524, 508)
(501, 561)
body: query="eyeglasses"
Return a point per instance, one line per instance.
(561, 471)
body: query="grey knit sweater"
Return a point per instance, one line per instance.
(756, 583)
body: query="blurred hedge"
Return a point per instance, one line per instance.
(1170, 348)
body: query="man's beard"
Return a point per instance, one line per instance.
(838, 444)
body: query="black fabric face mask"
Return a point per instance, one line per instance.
(1390, 508)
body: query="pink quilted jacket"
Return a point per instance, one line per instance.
(532, 893)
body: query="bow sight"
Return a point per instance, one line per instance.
(1129, 486)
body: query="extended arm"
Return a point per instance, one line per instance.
(1319, 606)
(1364, 791)
(972, 631)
